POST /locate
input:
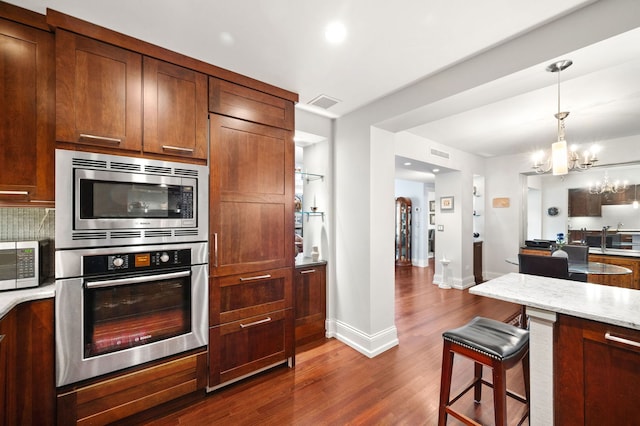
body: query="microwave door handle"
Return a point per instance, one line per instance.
(136, 280)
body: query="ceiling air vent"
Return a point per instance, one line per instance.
(439, 153)
(323, 101)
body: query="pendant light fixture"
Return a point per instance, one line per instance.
(562, 160)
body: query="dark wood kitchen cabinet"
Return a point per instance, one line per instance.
(27, 108)
(597, 373)
(251, 323)
(98, 93)
(582, 203)
(7, 335)
(27, 359)
(251, 226)
(175, 110)
(310, 284)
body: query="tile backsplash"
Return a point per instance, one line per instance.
(27, 223)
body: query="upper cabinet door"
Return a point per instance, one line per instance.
(27, 114)
(98, 93)
(251, 105)
(175, 110)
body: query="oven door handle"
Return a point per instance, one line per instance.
(136, 280)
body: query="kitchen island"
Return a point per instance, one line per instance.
(547, 300)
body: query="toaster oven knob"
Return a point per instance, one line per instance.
(118, 261)
(164, 257)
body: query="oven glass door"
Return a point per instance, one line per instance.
(125, 312)
(112, 199)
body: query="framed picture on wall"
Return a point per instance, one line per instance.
(446, 203)
(432, 205)
(432, 218)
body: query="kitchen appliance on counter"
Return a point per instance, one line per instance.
(112, 200)
(23, 264)
(117, 307)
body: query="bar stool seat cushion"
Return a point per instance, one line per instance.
(490, 337)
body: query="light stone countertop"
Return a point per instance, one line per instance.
(607, 304)
(11, 298)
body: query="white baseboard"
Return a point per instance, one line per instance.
(366, 344)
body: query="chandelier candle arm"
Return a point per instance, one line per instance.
(606, 187)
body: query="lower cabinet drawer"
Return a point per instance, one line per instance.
(132, 392)
(235, 297)
(239, 348)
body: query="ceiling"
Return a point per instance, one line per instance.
(388, 47)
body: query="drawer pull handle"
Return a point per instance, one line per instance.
(116, 141)
(622, 340)
(259, 277)
(308, 271)
(1, 337)
(14, 192)
(177, 148)
(262, 321)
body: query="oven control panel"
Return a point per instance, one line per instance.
(134, 262)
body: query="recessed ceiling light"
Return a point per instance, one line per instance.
(226, 38)
(436, 170)
(407, 163)
(335, 32)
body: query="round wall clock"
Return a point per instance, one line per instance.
(552, 211)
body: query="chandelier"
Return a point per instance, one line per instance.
(606, 187)
(562, 160)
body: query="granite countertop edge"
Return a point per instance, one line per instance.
(305, 262)
(601, 303)
(9, 299)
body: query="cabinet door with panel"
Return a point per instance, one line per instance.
(175, 110)
(631, 280)
(597, 373)
(7, 369)
(27, 114)
(310, 303)
(582, 203)
(251, 319)
(98, 93)
(251, 197)
(248, 104)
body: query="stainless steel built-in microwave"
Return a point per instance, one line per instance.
(110, 200)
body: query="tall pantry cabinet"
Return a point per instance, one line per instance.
(251, 225)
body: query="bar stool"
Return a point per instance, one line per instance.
(494, 344)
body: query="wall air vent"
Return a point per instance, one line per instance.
(439, 153)
(323, 101)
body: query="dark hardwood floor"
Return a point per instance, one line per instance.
(333, 384)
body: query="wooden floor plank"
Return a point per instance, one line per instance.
(332, 384)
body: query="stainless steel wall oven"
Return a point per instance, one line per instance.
(123, 306)
(130, 262)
